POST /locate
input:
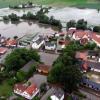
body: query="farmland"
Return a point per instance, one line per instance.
(59, 3)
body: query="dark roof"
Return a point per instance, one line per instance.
(39, 40)
(93, 53)
(95, 65)
(91, 83)
(49, 44)
(58, 93)
(26, 67)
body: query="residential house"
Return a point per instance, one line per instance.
(96, 39)
(3, 50)
(38, 43)
(50, 46)
(31, 92)
(89, 83)
(58, 94)
(42, 68)
(25, 91)
(11, 43)
(71, 31)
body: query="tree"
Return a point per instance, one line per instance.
(81, 24)
(90, 46)
(21, 76)
(14, 17)
(96, 29)
(43, 87)
(71, 23)
(19, 57)
(66, 70)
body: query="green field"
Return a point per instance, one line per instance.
(60, 3)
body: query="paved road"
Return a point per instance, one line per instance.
(90, 96)
(2, 59)
(49, 92)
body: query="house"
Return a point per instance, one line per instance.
(30, 92)
(38, 43)
(62, 43)
(42, 68)
(50, 46)
(81, 55)
(11, 43)
(94, 66)
(58, 94)
(3, 50)
(80, 34)
(71, 31)
(25, 91)
(19, 88)
(96, 39)
(89, 83)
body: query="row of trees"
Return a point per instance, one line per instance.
(81, 24)
(66, 69)
(40, 16)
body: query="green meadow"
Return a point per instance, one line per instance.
(58, 3)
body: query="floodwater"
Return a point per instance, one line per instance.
(24, 28)
(64, 14)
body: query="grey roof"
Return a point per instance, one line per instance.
(58, 92)
(95, 65)
(91, 83)
(93, 53)
(49, 44)
(39, 40)
(26, 67)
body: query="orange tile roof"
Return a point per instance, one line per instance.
(11, 42)
(96, 37)
(80, 33)
(3, 50)
(31, 89)
(20, 87)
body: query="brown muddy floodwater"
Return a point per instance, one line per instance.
(23, 28)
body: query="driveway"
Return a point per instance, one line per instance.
(48, 58)
(38, 79)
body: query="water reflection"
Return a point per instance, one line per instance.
(10, 29)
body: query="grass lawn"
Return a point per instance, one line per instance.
(86, 3)
(5, 89)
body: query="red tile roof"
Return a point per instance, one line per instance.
(44, 68)
(31, 89)
(81, 55)
(80, 34)
(96, 37)
(20, 87)
(11, 42)
(85, 66)
(3, 50)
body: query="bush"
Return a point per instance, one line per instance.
(5, 18)
(13, 17)
(31, 71)
(43, 87)
(12, 81)
(21, 76)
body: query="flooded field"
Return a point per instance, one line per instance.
(64, 14)
(23, 28)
